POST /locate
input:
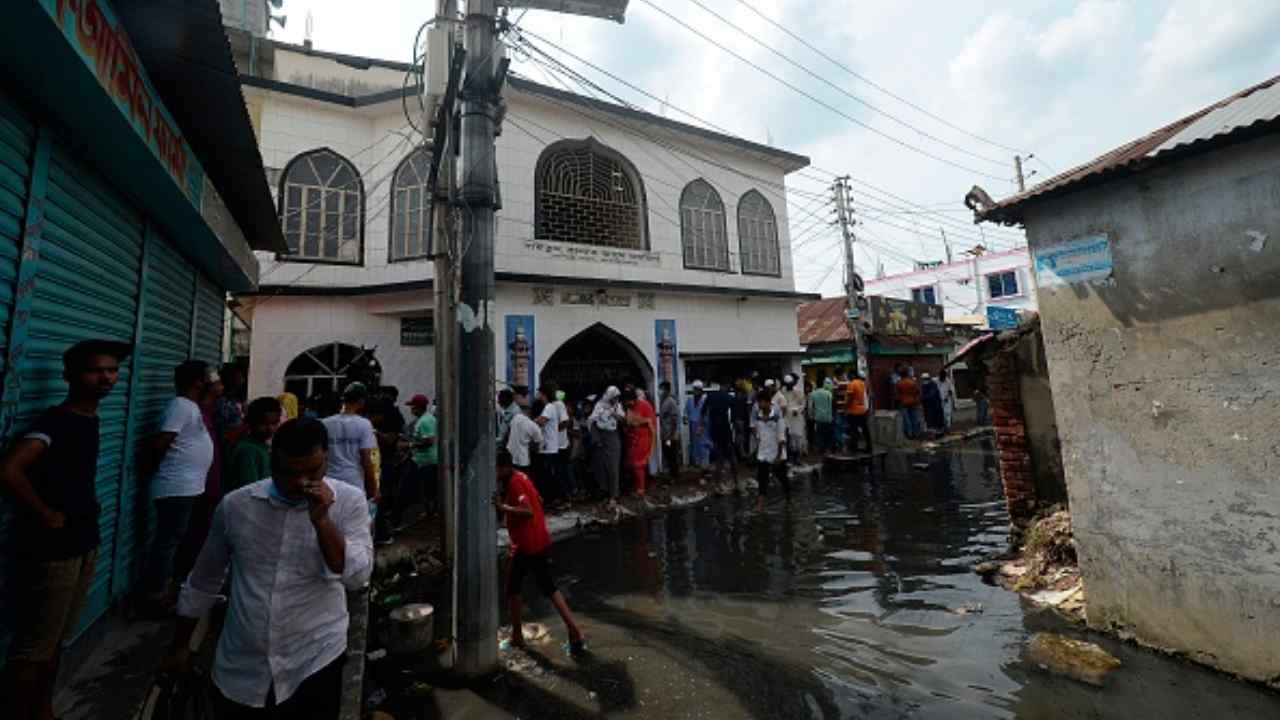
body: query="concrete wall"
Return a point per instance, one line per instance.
(1166, 383)
(376, 138)
(285, 326)
(953, 284)
(1043, 441)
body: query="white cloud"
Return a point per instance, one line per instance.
(1089, 30)
(1199, 35)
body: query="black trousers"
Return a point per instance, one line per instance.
(858, 426)
(766, 471)
(319, 697)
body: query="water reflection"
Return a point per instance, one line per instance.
(856, 599)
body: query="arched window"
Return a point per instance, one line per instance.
(322, 208)
(328, 369)
(702, 227)
(758, 235)
(410, 207)
(588, 193)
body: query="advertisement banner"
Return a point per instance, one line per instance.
(891, 316)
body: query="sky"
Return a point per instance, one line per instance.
(917, 100)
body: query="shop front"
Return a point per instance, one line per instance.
(111, 227)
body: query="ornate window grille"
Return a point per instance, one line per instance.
(322, 208)
(758, 235)
(702, 227)
(588, 193)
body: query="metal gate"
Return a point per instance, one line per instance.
(78, 262)
(17, 146)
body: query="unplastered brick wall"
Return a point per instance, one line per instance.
(1016, 471)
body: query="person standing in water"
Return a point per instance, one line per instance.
(521, 506)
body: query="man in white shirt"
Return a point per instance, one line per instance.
(351, 443)
(770, 430)
(565, 467)
(549, 475)
(183, 453)
(523, 434)
(294, 544)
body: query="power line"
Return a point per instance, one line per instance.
(703, 121)
(844, 92)
(874, 84)
(651, 138)
(821, 102)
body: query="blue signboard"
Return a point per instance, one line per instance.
(1001, 318)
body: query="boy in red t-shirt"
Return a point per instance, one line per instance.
(519, 501)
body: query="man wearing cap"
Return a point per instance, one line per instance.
(351, 443)
(696, 416)
(426, 454)
(50, 473)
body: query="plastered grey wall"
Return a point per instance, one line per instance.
(1166, 383)
(1040, 420)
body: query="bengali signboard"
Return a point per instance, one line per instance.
(575, 252)
(1001, 318)
(1083, 259)
(891, 316)
(93, 30)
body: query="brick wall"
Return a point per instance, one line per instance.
(1016, 472)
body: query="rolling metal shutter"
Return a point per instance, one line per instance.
(210, 312)
(87, 286)
(17, 147)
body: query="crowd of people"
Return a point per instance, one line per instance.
(268, 499)
(285, 502)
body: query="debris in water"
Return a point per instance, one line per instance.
(920, 465)
(376, 698)
(1076, 659)
(376, 655)
(969, 608)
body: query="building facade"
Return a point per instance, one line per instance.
(1157, 267)
(965, 288)
(124, 212)
(629, 246)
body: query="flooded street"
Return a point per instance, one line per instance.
(854, 600)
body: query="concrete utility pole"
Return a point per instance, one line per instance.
(1017, 165)
(445, 252)
(852, 281)
(476, 566)
(946, 243)
(477, 560)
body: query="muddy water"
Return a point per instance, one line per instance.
(853, 600)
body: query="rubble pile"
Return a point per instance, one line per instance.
(1045, 569)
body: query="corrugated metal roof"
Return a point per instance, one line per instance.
(1255, 105)
(1259, 106)
(823, 321)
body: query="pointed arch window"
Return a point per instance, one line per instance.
(589, 193)
(758, 235)
(322, 208)
(702, 227)
(410, 207)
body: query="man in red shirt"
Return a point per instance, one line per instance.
(530, 545)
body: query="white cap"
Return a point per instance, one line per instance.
(697, 385)
(925, 376)
(770, 382)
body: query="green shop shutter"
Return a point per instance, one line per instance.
(210, 313)
(87, 286)
(17, 147)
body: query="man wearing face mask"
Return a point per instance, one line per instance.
(293, 544)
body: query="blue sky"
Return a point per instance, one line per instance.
(1065, 81)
